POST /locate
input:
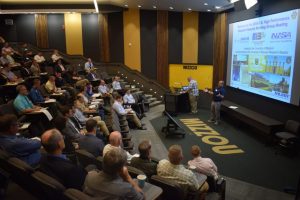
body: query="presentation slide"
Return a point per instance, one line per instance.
(261, 56)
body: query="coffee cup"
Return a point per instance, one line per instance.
(141, 180)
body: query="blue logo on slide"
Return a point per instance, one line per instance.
(258, 36)
(281, 35)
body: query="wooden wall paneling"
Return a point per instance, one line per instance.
(219, 55)
(162, 48)
(41, 27)
(104, 38)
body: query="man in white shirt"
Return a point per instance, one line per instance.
(105, 92)
(40, 59)
(116, 85)
(130, 100)
(88, 66)
(55, 56)
(131, 115)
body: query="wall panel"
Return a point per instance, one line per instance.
(26, 28)
(56, 32)
(148, 20)
(132, 44)
(116, 37)
(104, 38)
(73, 30)
(175, 37)
(90, 36)
(41, 31)
(190, 37)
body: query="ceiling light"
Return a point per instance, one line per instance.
(208, 10)
(217, 7)
(233, 1)
(206, 4)
(96, 6)
(139, 6)
(171, 8)
(126, 5)
(154, 7)
(189, 9)
(250, 3)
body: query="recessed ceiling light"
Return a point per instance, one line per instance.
(208, 10)
(154, 7)
(233, 1)
(126, 5)
(206, 4)
(189, 9)
(139, 6)
(217, 7)
(171, 8)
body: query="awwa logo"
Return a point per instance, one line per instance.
(281, 35)
(258, 36)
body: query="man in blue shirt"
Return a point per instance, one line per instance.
(35, 93)
(218, 96)
(20, 147)
(22, 103)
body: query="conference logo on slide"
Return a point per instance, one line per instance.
(294, 14)
(258, 38)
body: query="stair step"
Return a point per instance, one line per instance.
(127, 86)
(134, 89)
(155, 103)
(139, 92)
(148, 96)
(152, 99)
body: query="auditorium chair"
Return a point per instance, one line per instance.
(289, 137)
(85, 158)
(47, 187)
(20, 173)
(73, 194)
(134, 172)
(171, 190)
(4, 171)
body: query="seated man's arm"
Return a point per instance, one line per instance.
(26, 146)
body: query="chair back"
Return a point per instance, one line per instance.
(100, 162)
(48, 187)
(4, 156)
(292, 126)
(134, 172)
(115, 121)
(73, 194)
(8, 109)
(85, 158)
(171, 190)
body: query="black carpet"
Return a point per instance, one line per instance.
(258, 164)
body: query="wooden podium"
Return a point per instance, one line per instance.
(177, 103)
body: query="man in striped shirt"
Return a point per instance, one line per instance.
(193, 94)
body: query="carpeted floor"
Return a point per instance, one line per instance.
(257, 165)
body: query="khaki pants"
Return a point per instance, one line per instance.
(203, 190)
(135, 119)
(193, 103)
(215, 110)
(101, 124)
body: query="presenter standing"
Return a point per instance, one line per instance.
(193, 94)
(218, 96)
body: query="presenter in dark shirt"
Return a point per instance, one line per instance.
(218, 96)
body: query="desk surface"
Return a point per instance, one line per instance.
(151, 191)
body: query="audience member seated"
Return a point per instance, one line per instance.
(71, 130)
(59, 67)
(7, 59)
(57, 165)
(104, 90)
(22, 103)
(130, 101)
(35, 92)
(35, 68)
(23, 148)
(78, 114)
(172, 169)
(143, 162)
(25, 51)
(11, 52)
(84, 95)
(115, 142)
(55, 56)
(9, 74)
(91, 76)
(25, 71)
(114, 182)
(50, 85)
(90, 142)
(3, 78)
(40, 59)
(89, 66)
(130, 114)
(116, 85)
(71, 76)
(203, 165)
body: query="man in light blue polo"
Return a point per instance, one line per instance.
(22, 103)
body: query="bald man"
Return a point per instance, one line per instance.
(172, 169)
(115, 141)
(57, 165)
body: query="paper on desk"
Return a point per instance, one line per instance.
(233, 107)
(50, 101)
(46, 112)
(92, 106)
(96, 95)
(25, 126)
